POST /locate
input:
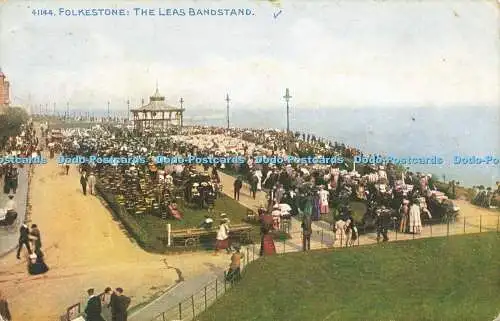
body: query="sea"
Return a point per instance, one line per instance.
(398, 132)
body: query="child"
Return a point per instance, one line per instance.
(234, 272)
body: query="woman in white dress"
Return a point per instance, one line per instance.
(415, 221)
(323, 200)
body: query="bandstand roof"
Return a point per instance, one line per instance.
(157, 103)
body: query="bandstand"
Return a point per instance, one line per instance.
(157, 115)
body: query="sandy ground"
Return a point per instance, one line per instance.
(85, 248)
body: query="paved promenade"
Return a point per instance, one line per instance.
(9, 235)
(473, 220)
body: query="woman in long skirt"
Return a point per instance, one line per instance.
(404, 216)
(222, 241)
(415, 220)
(267, 243)
(36, 264)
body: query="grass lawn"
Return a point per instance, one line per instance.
(358, 209)
(455, 278)
(192, 218)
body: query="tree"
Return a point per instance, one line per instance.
(10, 123)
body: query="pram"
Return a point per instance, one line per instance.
(8, 218)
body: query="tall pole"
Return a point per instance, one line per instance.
(54, 111)
(181, 101)
(128, 109)
(287, 99)
(67, 109)
(108, 110)
(227, 109)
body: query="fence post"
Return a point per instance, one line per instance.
(216, 290)
(248, 255)
(430, 225)
(180, 310)
(480, 223)
(253, 251)
(464, 224)
(192, 304)
(322, 235)
(498, 222)
(284, 245)
(169, 234)
(448, 228)
(205, 297)
(163, 316)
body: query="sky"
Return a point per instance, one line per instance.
(330, 54)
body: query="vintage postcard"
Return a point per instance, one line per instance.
(249, 160)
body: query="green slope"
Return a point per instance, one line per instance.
(455, 278)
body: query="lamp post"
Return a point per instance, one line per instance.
(181, 101)
(287, 99)
(227, 109)
(128, 109)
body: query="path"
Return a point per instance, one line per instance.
(85, 248)
(9, 236)
(472, 219)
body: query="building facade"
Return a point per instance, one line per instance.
(4, 92)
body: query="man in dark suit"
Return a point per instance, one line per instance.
(237, 187)
(93, 309)
(119, 305)
(23, 240)
(83, 182)
(306, 232)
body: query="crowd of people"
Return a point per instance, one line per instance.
(394, 196)
(296, 188)
(486, 197)
(108, 306)
(387, 190)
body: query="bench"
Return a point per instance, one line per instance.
(190, 238)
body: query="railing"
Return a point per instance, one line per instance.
(75, 310)
(322, 237)
(199, 301)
